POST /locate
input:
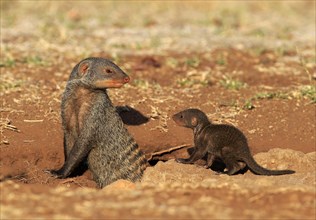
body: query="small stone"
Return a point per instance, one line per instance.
(282, 166)
(121, 184)
(264, 182)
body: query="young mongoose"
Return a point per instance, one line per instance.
(93, 130)
(220, 141)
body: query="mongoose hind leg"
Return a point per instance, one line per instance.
(232, 167)
(232, 164)
(242, 165)
(210, 160)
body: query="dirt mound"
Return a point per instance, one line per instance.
(277, 158)
(177, 174)
(175, 190)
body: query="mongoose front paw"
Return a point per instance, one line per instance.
(55, 173)
(181, 160)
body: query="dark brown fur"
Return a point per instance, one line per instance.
(93, 130)
(220, 141)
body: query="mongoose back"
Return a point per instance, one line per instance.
(220, 141)
(93, 130)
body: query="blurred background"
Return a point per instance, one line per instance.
(38, 29)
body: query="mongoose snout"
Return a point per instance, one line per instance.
(126, 79)
(178, 119)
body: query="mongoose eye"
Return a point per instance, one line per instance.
(181, 116)
(108, 71)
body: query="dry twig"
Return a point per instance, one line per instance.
(166, 151)
(33, 121)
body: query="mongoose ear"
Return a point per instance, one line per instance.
(83, 68)
(194, 121)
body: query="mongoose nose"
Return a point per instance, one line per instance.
(126, 79)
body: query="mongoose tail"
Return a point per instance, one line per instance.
(257, 169)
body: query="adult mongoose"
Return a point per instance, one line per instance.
(93, 130)
(220, 141)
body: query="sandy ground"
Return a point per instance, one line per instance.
(236, 62)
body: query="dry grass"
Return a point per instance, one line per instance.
(84, 28)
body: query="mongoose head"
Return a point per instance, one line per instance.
(100, 73)
(190, 118)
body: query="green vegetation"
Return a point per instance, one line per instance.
(257, 50)
(221, 60)
(248, 105)
(258, 32)
(9, 62)
(304, 91)
(192, 82)
(32, 60)
(172, 62)
(271, 95)
(308, 91)
(35, 60)
(192, 62)
(233, 84)
(9, 84)
(143, 84)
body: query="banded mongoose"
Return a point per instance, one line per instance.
(220, 141)
(93, 130)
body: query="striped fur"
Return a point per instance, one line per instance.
(115, 154)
